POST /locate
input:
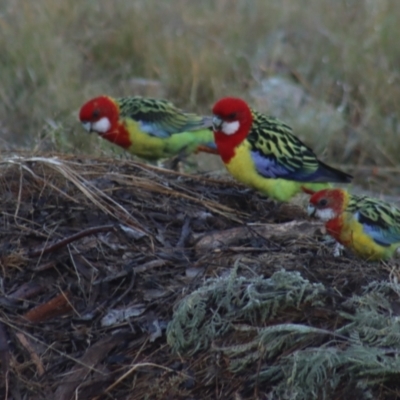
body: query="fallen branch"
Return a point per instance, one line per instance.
(232, 236)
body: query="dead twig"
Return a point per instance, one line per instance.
(231, 236)
(62, 243)
(34, 356)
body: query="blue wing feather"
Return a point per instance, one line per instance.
(269, 167)
(277, 153)
(383, 236)
(154, 129)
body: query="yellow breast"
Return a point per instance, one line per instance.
(242, 168)
(143, 144)
(354, 237)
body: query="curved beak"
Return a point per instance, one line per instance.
(311, 210)
(87, 126)
(217, 123)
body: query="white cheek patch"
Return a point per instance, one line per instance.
(102, 125)
(230, 128)
(326, 214)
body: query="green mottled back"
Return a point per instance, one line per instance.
(160, 117)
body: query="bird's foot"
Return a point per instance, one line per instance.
(174, 163)
(338, 250)
(328, 239)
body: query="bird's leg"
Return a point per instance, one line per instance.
(175, 163)
(275, 207)
(338, 250)
(328, 239)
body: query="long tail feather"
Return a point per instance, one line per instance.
(329, 174)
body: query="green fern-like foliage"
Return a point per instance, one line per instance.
(208, 312)
(264, 326)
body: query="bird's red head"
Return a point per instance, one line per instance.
(232, 122)
(101, 115)
(327, 204)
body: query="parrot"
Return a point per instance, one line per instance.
(152, 129)
(369, 227)
(262, 152)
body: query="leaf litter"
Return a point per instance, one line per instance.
(129, 281)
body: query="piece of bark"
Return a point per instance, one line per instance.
(233, 236)
(55, 307)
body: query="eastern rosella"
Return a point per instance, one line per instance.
(369, 227)
(149, 128)
(261, 152)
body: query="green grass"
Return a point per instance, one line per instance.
(56, 55)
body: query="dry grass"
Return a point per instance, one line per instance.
(57, 55)
(99, 257)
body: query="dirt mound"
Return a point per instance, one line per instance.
(127, 281)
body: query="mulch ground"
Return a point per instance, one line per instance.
(95, 255)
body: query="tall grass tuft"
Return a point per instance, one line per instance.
(56, 55)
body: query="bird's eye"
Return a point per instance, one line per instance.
(323, 202)
(96, 113)
(232, 116)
